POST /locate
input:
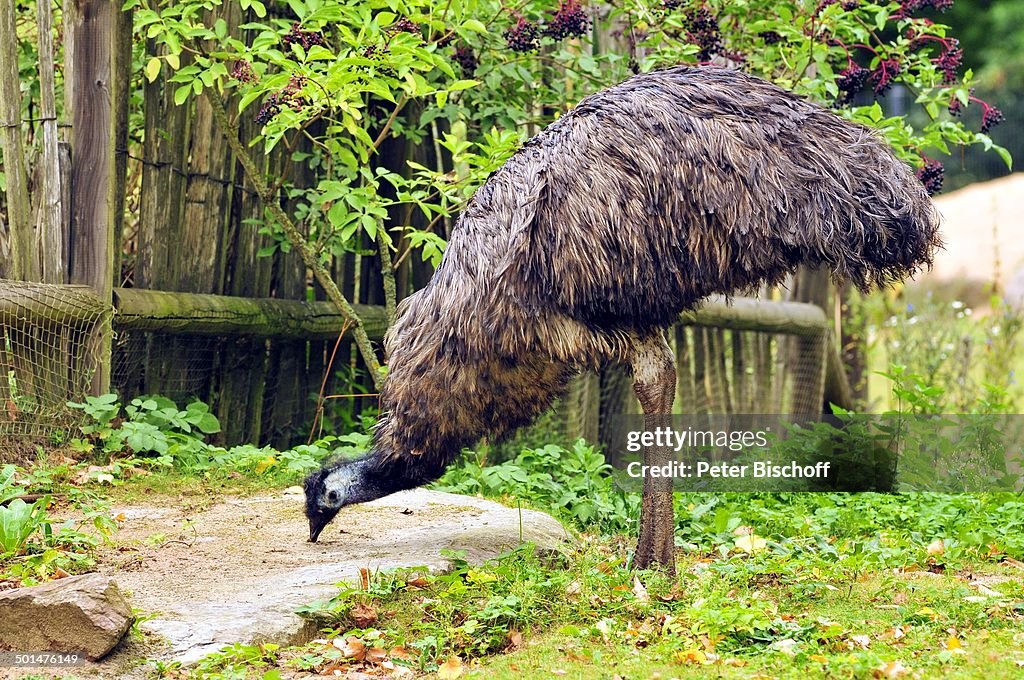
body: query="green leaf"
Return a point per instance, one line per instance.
(181, 94)
(1005, 155)
(152, 69)
(173, 61)
(474, 25)
(220, 28)
(463, 85)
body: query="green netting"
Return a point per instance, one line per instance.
(48, 356)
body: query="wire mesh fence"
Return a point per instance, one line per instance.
(268, 390)
(719, 372)
(48, 354)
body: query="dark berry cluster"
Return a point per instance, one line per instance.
(955, 107)
(882, 77)
(850, 5)
(702, 30)
(403, 25)
(822, 4)
(446, 39)
(907, 7)
(568, 21)
(949, 61)
(770, 37)
(990, 117)
(290, 93)
(523, 37)
(466, 58)
(377, 54)
(931, 174)
(672, 4)
(296, 36)
(850, 81)
(290, 96)
(242, 72)
(270, 108)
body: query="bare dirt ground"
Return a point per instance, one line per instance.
(235, 570)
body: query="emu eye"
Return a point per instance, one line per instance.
(333, 497)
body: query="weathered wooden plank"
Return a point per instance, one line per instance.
(194, 314)
(39, 304)
(91, 67)
(50, 231)
(764, 316)
(16, 261)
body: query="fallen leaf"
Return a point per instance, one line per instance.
(120, 517)
(693, 655)
(60, 573)
(364, 578)
(418, 583)
(936, 547)
(743, 530)
(750, 544)
(861, 641)
(333, 669)
(450, 669)
(401, 653)
(786, 646)
(985, 590)
(892, 669)
(604, 626)
(515, 639)
(819, 658)
(573, 588)
(639, 591)
(363, 616)
(953, 645)
(376, 654)
(351, 647)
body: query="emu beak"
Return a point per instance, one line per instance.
(315, 527)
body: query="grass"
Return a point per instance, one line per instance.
(839, 586)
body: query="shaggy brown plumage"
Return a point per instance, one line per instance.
(636, 205)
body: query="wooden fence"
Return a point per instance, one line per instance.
(168, 230)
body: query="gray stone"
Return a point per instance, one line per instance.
(85, 614)
(242, 567)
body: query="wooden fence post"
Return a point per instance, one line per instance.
(92, 28)
(16, 244)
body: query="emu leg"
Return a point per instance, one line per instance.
(654, 380)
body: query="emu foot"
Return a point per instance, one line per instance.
(656, 547)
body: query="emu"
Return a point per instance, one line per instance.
(592, 239)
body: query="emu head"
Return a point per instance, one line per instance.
(330, 489)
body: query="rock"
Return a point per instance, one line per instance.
(85, 614)
(245, 566)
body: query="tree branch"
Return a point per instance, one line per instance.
(296, 238)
